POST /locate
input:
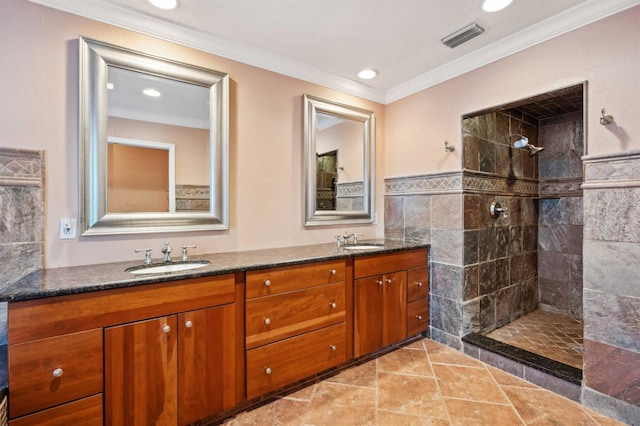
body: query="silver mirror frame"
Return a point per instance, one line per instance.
(95, 57)
(312, 216)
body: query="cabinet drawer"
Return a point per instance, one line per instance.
(284, 315)
(417, 317)
(85, 412)
(367, 266)
(276, 365)
(266, 282)
(417, 284)
(76, 360)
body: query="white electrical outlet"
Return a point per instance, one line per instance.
(67, 228)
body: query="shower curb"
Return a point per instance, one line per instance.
(550, 374)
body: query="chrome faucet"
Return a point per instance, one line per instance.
(166, 252)
(343, 240)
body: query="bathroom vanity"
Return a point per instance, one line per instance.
(89, 347)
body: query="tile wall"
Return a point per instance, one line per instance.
(22, 221)
(612, 285)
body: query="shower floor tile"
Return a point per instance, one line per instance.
(551, 335)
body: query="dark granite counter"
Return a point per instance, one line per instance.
(81, 279)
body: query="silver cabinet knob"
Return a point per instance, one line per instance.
(419, 284)
(58, 372)
(334, 272)
(166, 328)
(333, 305)
(267, 321)
(267, 370)
(419, 317)
(333, 347)
(389, 280)
(267, 283)
(188, 324)
(379, 282)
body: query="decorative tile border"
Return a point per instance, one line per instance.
(192, 197)
(458, 182)
(612, 170)
(561, 188)
(350, 189)
(437, 183)
(19, 167)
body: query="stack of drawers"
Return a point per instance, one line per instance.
(295, 323)
(417, 301)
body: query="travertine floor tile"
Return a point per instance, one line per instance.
(422, 384)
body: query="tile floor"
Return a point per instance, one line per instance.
(548, 334)
(424, 383)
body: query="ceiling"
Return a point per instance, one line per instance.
(329, 41)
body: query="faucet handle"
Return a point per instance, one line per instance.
(355, 236)
(184, 252)
(147, 254)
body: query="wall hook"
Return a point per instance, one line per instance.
(449, 148)
(605, 119)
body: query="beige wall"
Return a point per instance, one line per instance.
(39, 111)
(347, 138)
(606, 54)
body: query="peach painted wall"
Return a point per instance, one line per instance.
(39, 110)
(606, 54)
(345, 137)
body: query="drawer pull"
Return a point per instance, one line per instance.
(333, 305)
(58, 372)
(166, 328)
(379, 282)
(267, 283)
(333, 347)
(267, 370)
(419, 317)
(267, 321)
(334, 272)
(389, 280)
(419, 284)
(188, 324)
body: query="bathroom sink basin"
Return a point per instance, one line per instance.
(363, 246)
(163, 268)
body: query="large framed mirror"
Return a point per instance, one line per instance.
(154, 143)
(339, 163)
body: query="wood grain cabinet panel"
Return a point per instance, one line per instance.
(47, 372)
(417, 317)
(417, 284)
(85, 412)
(273, 366)
(284, 315)
(271, 281)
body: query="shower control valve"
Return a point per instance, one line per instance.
(496, 209)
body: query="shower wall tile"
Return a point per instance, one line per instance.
(447, 211)
(560, 238)
(487, 157)
(612, 371)
(612, 267)
(612, 319)
(394, 217)
(446, 280)
(417, 211)
(613, 214)
(471, 284)
(555, 294)
(446, 315)
(447, 246)
(473, 217)
(555, 266)
(471, 247)
(482, 126)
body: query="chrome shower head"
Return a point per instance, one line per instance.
(523, 142)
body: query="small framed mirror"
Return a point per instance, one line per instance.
(339, 163)
(154, 141)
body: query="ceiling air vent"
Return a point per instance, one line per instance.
(463, 35)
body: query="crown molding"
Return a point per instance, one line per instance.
(573, 18)
(569, 20)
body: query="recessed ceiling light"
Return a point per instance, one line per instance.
(495, 5)
(164, 4)
(110, 86)
(151, 92)
(367, 74)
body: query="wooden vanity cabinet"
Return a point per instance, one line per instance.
(386, 300)
(296, 323)
(168, 352)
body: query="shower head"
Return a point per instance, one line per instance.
(523, 142)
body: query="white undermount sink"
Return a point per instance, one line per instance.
(162, 268)
(363, 246)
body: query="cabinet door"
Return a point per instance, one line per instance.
(141, 373)
(394, 308)
(369, 316)
(206, 363)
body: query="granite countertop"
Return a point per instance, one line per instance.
(80, 279)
